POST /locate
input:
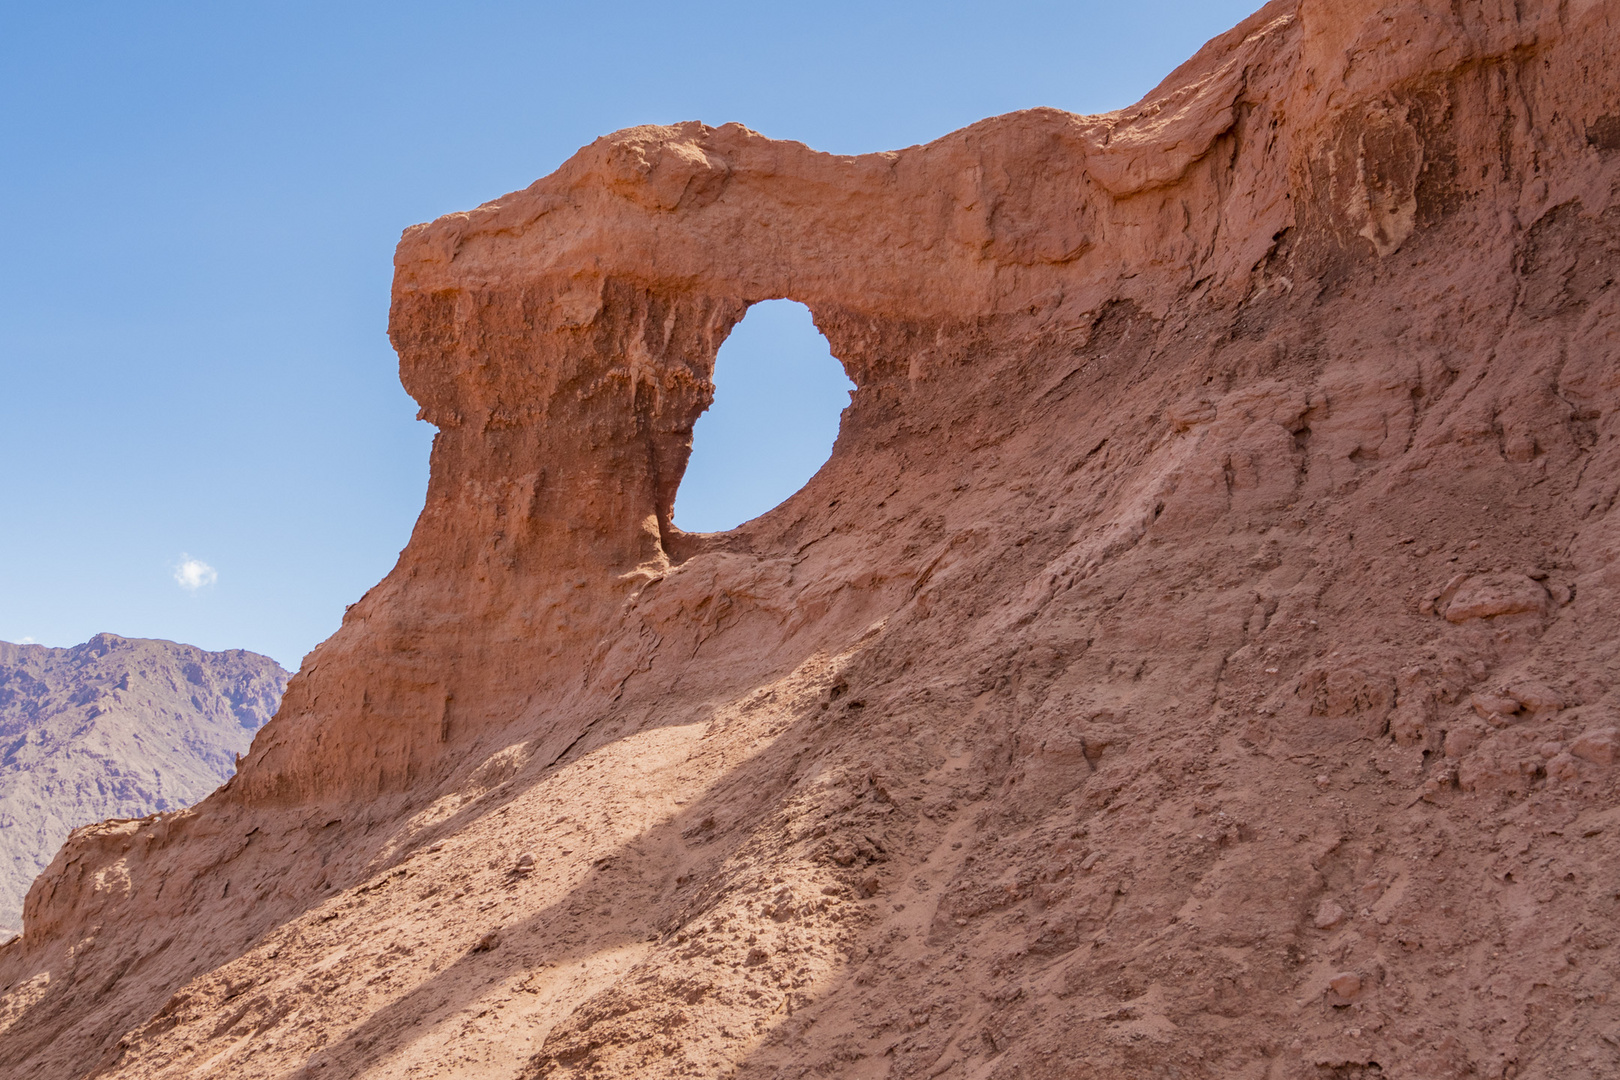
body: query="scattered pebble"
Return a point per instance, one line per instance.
(1346, 984)
(1600, 746)
(1328, 915)
(1494, 705)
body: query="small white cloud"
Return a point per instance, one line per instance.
(26, 641)
(193, 574)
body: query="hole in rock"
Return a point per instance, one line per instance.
(778, 394)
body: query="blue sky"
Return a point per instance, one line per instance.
(202, 432)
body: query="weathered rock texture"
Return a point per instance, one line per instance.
(1198, 657)
(116, 727)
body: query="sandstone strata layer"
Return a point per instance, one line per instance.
(115, 728)
(1198, 657)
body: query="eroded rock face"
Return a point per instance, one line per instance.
(1197, 657)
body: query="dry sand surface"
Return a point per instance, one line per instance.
(1197, 659)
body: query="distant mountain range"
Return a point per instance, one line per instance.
(116, 727)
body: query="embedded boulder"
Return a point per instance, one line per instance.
(1491, 595)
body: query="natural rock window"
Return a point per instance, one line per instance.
(777, 400)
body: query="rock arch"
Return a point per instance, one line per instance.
(562, 338)
(779, 396)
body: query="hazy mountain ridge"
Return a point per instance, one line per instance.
(115, 728)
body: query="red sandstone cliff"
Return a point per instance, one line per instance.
(1198, 657)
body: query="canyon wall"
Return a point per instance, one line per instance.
(1197, 658)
